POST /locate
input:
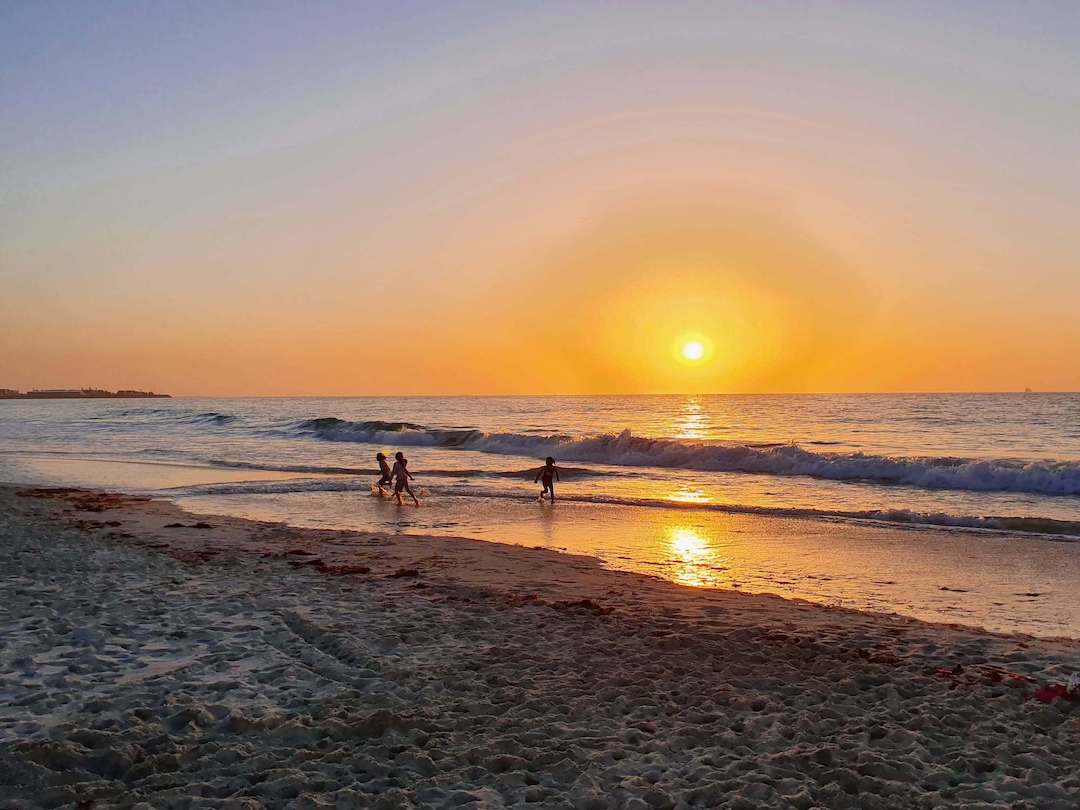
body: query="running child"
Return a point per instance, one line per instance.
(384, 471)
(547, 475)
(401, 478)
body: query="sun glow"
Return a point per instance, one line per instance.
(693, 350)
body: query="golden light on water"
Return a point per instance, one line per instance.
(696, 560)
(688, 544)
(693, 422)
(688, 495)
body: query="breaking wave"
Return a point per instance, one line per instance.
(625, 449)
(327, 424)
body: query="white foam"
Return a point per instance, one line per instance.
(626, 449)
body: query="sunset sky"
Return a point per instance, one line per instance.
(471, 198)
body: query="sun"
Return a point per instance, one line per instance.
(693, 350)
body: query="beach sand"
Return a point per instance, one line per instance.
(229, 663)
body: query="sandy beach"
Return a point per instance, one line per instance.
(153, 658)
(591, 406)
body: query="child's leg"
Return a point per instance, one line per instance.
(551, 489)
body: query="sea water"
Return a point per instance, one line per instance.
(949, 507)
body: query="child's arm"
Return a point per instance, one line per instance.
(556, 469)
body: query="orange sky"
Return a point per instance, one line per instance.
(503, 212)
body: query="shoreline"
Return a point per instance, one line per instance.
(1050, 529)
(1007, 582)
(497, 674)
(232, 538)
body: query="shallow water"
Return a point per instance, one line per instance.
(812, 497)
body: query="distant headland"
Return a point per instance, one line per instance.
(78, 393)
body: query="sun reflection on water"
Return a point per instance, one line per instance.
(693, 423)
(688, 495)
(695, 558)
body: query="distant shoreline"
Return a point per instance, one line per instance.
(80, 393)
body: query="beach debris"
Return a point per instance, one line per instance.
(94, 524)
(343, 570)
(316, 562)
(997, 675)
(958, 675)
(199, 525)
(403, 573)
(82, 500)
(877, 656)
(1070, 690)
(47, 492)
(983, 674)
(582, 604)
(950, 673)
(520, 599)
(1055, 691)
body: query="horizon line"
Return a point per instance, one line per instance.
(620, 394)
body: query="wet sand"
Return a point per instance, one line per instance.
(1004, 582)
(156, 658)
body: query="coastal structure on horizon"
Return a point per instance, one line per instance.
(78, 393)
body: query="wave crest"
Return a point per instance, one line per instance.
(213, 417)
(626, 449)
(331, 424)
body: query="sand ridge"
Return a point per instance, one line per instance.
(238, 664)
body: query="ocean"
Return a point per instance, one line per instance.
(958, 507)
